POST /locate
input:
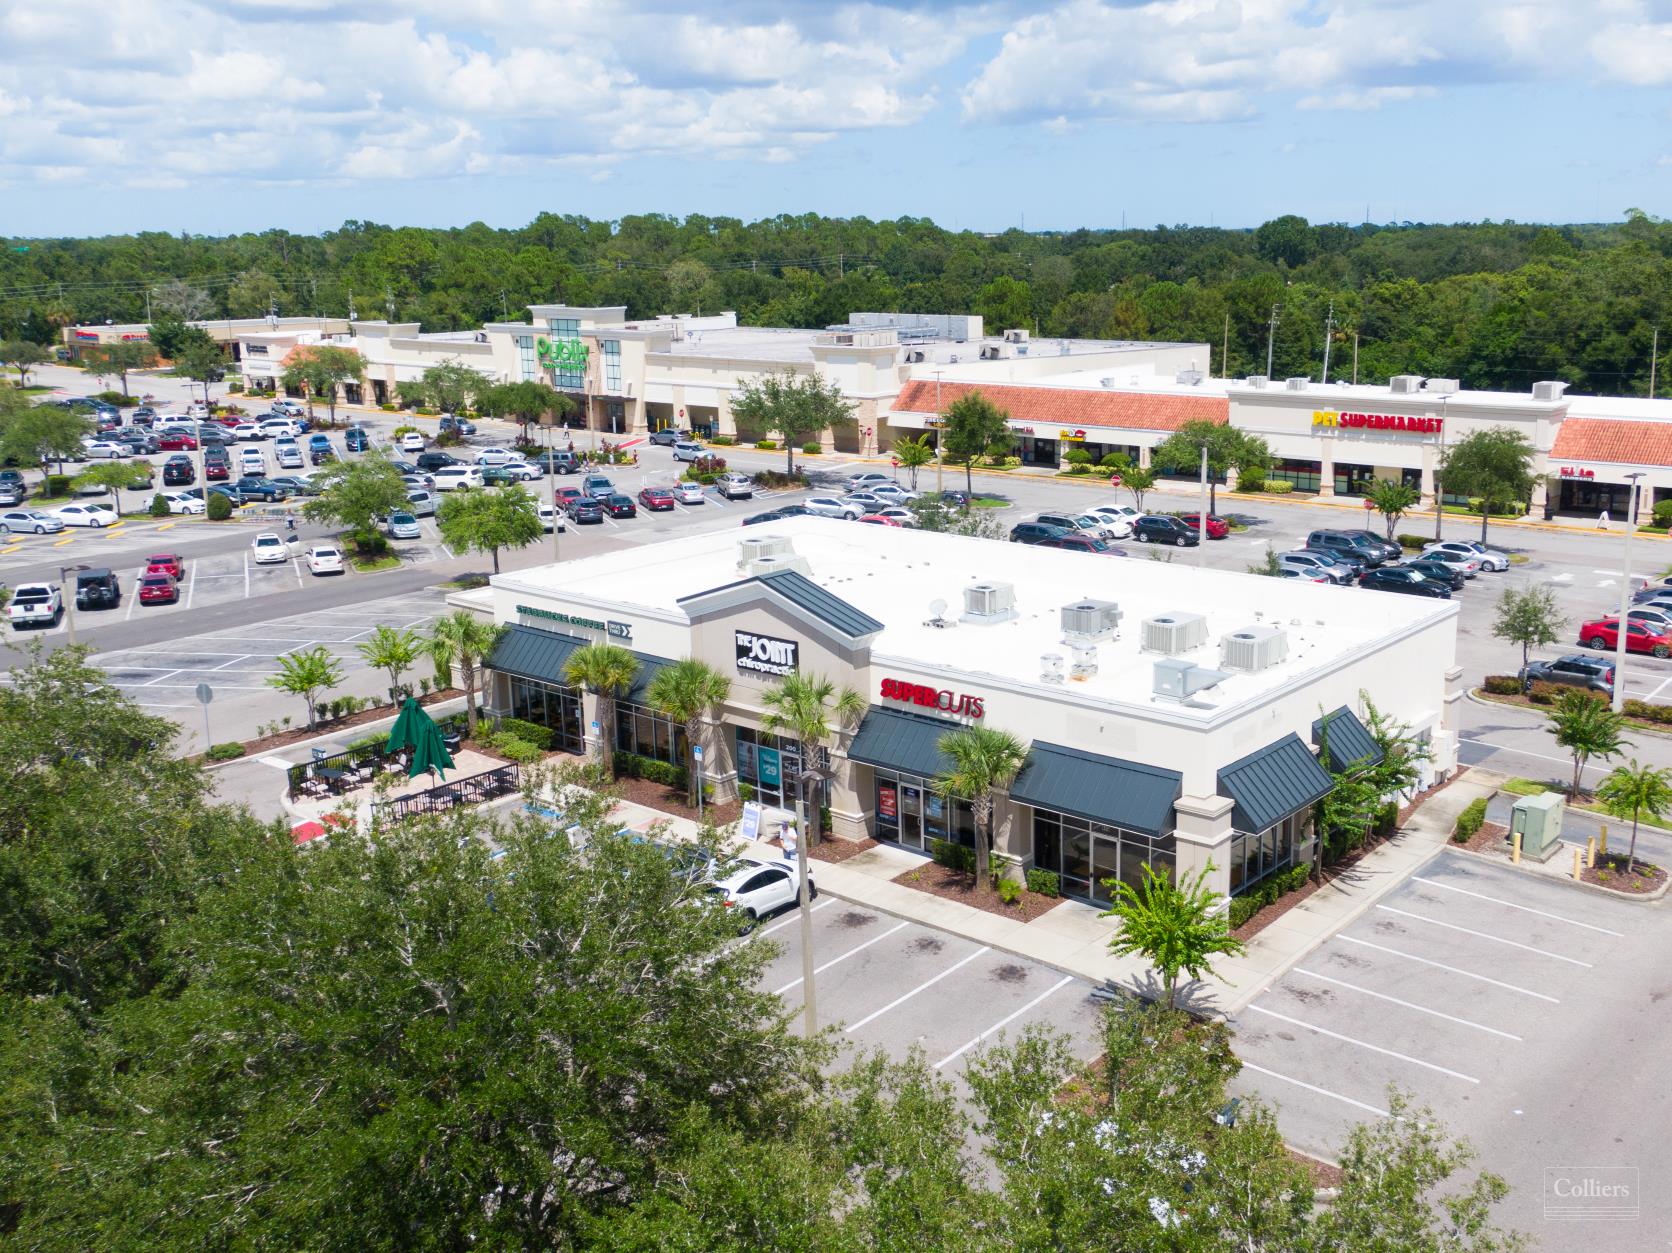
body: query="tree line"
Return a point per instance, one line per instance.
(1495, 304)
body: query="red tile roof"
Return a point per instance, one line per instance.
(1616, 440)
(1072, 407)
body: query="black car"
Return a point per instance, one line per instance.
(214, 436)
(12, 476)
(1081, 543)
(437, 460)
(143, 416)
(253, 487)
(179, 472)
(1439, 571)
(1155, 528)
(1575, 670)
(1369, 552)
(776, 515)
(1402, 580)
(585, 509)
(1036, 533)
(620, 506)
(97, 589)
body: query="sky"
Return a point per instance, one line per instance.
(237, 115)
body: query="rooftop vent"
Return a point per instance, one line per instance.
(1253, 648)
(1085, 661)
(1257, 381)
(753, 548)
(1405, 384)
(1090, 621)
(1296, 384)
(1180, 680)
(992, 352)
(1549, 390)
(1189, 378)
(1050, 667)
(987, 603)
(1174, 632)
(775, 564)
(1016, 336)
(1108, 380)
(1442, 387)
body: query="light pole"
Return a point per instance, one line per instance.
(69, 598)
(551, 482)
(810, 1007)
(940, 450)
(1439, 470)
(1202, 513)
(1622, 623)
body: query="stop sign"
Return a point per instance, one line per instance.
(1368, 505)
(1114, 480)
(895, 461)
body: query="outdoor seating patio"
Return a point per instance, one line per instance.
(356, 785)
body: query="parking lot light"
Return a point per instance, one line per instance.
(68, 594)
(1618, 700)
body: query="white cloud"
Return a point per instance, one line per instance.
(1366, 99)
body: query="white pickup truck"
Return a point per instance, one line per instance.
(35, 604)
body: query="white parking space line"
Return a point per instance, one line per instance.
(246, 576)
(927, 983)
(1394, 1000)
(133, 601)
(1301, 1083)
(1504, 748)
(1467, 974)
(1005, 1021)
(835, 961)
(795, 918)
(1482, 896)
(167, 674)
(223, 665)
(191, 585)
(1363, 1044)
(1451, 926)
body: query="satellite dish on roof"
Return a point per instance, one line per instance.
(937, 614)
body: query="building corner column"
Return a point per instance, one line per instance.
(1202, 840)
(591, 728)
(1326, 468)
(847, 810)
(1444, 745)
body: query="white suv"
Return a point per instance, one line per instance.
(325, 559)
(759, 888)
(831, 507)
(449, 477)
(734, 486)
(489, 457)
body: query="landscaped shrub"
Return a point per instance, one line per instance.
(518, 750)
(387, 407)
(1010, 892)
(1406, 540)
(56, 485)
(159, 506)
(706, 469)
(230, 751)
(220, 508)
(953, 855)
(1044, 883)
(633, 766)
(404, 429)
(1277, 886)
(1468, 822)
(765, 445)
(1077, 457)
(1649, 713)
(1252, 480)
(812, 448)
(777, 478)
(723, 440)
(1387, 820)
(1115, 461)
(1279, 487)
(426, 411)
(1663, 513)
(1501, 685)
(533, 732)
(1550, 693)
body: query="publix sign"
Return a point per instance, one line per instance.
(568, 355)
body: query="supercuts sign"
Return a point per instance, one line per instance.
(943, 699)
(765, 654)
(1377, 421)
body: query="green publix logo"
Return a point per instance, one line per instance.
(560, 354)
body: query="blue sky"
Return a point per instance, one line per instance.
(244, 114)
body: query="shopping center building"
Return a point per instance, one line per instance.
(1172, 714)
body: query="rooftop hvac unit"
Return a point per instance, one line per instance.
(989, 602)
(1180, 680)
(992, 352)
(1016, 336)
(1091, 620)
(1108, 380)
(1258, 381)
(1405, 384)
(915, 356)
(1441, 387)
(1085, 661)
(1189, 378)
(755, 547)
(1296, 384)
(1253, 648)
(1549, 390)
(1050, 667)
(1174, 632)
(772, 565)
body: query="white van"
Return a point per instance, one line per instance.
(251, 460)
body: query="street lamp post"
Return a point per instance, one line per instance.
(68, 594)
(813, 776)
(940, 442)
(1620, 625)
(1202, 514)
(1439, 469)
(551, 482)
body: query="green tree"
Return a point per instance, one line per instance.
(1393, 499)
(1288, 240)
(1228, 449)
(23, 356)
(605, 670)
(984, 761)
(1634, 792)
(217, 507)
(354, 493)
(799, 407)
(202, 361)
(460, 643)
(971, 425)
(1178, 928)
(486, 519)
(323, 370)
(913, 454)
(525, 403)
(1138, 480)
(688, 691)
(1529, 618)
(1587, 728)
(1268, 565)
(113, 476)
(1493, 464)
(803, 707)
(452, 386)
(39, 434)
(308, 673)
(946, 518)
(1005, 304)
(394, 650)
(119, 360)
(172, 337)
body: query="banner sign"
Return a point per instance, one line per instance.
(1377, 421)
(768, 764)
(766, 654)
(568, 355)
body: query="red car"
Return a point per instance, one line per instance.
(158, 589)
(213, 470)
(656, 498)
(567, 494)
(1218, 528)
(1640, 637)
(169, 564)
(177, 441)
(876, 519)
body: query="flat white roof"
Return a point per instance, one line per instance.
(894, 574)
(1317, 393)
(1630, 408)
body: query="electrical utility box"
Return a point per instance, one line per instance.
(1538, 819)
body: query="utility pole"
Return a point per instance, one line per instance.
(389, 301)
(1618, 700)
(1654, 356)
(940, 441)
(1271, 338)
(1225, 351)
(1355, 358)
(148, 318)
(1329, 334)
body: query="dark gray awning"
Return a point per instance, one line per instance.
(1273, 783)
(901, 741)
(534, 654)
(649, 667)
(1350, 741)
(1099, 789)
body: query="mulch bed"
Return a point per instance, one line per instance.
(1610, 872)
(835, 850)
(672, 800)
(267, 743)
(1490, 837)
(1324, 1174)
(960, 886)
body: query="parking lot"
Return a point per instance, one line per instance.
(892, 985)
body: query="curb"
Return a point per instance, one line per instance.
(1475, 695)
(1635, 898)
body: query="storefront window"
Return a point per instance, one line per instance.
(1257, 855)
(567, 328)
(525, 358)
(641, 730)
(1305, 475)
(1351, 480)
(612, 364)
(1084, 854)
(911, 811)
(769, 764)
(547, 705)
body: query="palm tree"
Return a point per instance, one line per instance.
(309, 674)
(801, 706)
(1587, 728)
(392, 649)
(604, 669)
(1636, 790)
(913, 454)
(984, 761)
(685, 691)
(461, 642)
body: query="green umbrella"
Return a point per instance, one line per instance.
(402, 734)
(428, 750)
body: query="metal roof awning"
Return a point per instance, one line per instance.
(534, 654)
(1099, 789)
(1350, 741)
(649, 667)
(899, 741)
(1273, 783)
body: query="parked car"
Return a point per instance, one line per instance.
(1484, 558)
(1306, 576)
(1407, 582)
(1117, 518)
(32, 521)
(494, 456)
(877, 519)
(325, 559)
(93, 449)
(179, 472)
(11, 494)
(1083, 523)
(776, 515)
(1218, 528)
(865, 501)
(1348, 544)
(1465, 563)
(735, 486)
(1388, 548)
(668, 435)
(1036, 533)
(287, 454)
(859, 482)
(897, 515)
(565, 495)
(355, 439)
(290, 408)
(436, 460)
(1573, 670)
(522, 471)
(1640, 637)
(184, 503)
(216, 471)
(620, 506)
(252, 460)
(176, 441)
(97, 589)
(1452, 576)
(459, 426)
(597, 486)
(1320, 565)
(319, 454)
(1080, 542)
(892, 492)
(86, 515)
(832, 507)
(255, 487)
(687, 450)
(1657, 617)
(420, 503)
(295, 484)
(657, 498)
(1155, 528)
(35, 605)
(412, 441)
(687, 492)
(759, 889)
(450, 478)
(552, 519)
(158, 589)
(268, 549)
(171, 564)
(402, 526)
(248, 431)
(497, 476)
(139, 443)
(558, 461)
(584, 509)
(277, 428)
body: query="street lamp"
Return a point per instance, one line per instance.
(940, 442)
(551, 481)
(812, 775)
(69, 598)
(1439, 467)
(1202, 516)
(1620, 625)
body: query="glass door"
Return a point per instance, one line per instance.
(911, 815)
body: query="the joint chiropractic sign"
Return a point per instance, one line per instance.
(766, 654)
(567, 355)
